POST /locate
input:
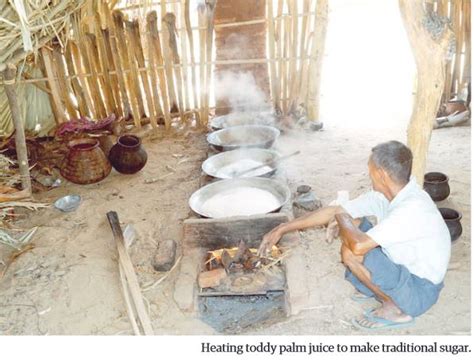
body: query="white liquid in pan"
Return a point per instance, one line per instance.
(242, 201)
(239, 166)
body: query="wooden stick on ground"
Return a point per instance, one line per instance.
(130, 274)
(9, 75)
(154, 45)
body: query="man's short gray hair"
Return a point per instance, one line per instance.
(395, 158)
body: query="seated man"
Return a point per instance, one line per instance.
(403, 259)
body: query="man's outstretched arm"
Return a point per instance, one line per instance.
(319, 217)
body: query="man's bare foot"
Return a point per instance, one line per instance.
(389, 311)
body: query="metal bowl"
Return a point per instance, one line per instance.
(247, 136)
(225, 164)
(281, 193)
(242, 118)
(68, 203)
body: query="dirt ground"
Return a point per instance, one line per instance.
(69, 283)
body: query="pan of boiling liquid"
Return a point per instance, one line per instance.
(230, 164)
(239, 197)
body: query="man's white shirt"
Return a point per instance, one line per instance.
(410, 229)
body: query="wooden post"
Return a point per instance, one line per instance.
(430, 45)
(316, 63)
(20, 142)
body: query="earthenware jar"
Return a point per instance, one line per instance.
(127, 155)
(452, 218)
(436, 185)
(85, 163)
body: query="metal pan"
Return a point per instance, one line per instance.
(242, 118)
(223, 165)
(198, 199)
(247, 136)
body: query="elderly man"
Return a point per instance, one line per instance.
(403, 259)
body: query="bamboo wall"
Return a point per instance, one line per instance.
(458, 69)
(153, 64)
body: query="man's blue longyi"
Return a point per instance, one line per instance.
(412, 294)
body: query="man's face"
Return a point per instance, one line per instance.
(375, 176)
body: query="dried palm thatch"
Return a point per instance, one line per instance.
(27, 25)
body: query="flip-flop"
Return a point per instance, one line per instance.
(360, 298)
(386, 324)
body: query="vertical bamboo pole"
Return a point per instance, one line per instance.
(106, 63)
(76, 86)
(279, 53)
(57, 106)
(210, 4)
(191, 50)
(127, 63)
(184, 56)
(103, 80)
(172, 57)
(63, 83)
(303, 51)
(9, 75)
(286, 53)
(133, 32)
(316, 63)
(202, 60)
(107, 59)
(114, 56)
(92, 80)
(152, 63)
(155, 47)
(271, 47)
(293, 7)
(83, 80)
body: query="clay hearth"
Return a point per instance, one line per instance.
(203, 235)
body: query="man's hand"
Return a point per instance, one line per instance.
(269, 239)
(332, 231)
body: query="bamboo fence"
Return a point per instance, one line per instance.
(458, 68)
(157, 68)
(153, 63)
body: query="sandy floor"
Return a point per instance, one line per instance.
(69, 284)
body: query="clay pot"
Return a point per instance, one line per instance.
(436, 185)
(452, 218)
(85, 163)
(127, 156)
